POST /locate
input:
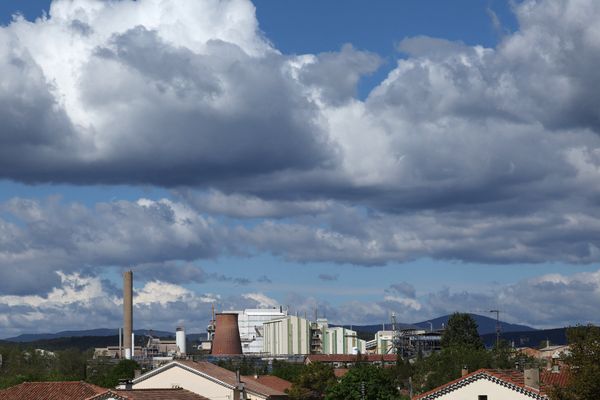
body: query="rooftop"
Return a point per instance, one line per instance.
(512, 379)
(51, 391)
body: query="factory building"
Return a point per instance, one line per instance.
(293, 335)
(250, 322)
(383, 342)
(287, 336)
(340, 340)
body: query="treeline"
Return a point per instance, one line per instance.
(24, 363)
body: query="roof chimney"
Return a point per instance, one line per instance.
(464, 371)
(227, 335)
(532, 378)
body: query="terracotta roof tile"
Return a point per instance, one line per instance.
(149, 394)
(51, 391)
(549, 379)
(271, 381)
(340, 372)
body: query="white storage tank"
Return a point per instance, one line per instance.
(180, 339)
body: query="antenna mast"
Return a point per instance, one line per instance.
(497, 327)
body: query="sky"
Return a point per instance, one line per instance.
(359, 158)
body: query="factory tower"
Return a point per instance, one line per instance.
(128, 313)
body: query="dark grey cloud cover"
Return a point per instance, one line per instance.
(461, 153)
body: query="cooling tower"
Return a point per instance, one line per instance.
(227, 335)
(127, 313)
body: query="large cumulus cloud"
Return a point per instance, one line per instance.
(162, 92)
(461, 153)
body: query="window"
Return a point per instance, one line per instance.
(482, 397)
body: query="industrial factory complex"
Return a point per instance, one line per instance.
(263, 335)
(267, 333)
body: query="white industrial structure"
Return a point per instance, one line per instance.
(287, 336)
(340, 340)
(383, 343)
(250, 323)
(180, 340)
(294, 335)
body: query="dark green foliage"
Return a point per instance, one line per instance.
(246, 365)
(366, 381)
(461, 331)
(108, 374)
(286, 370)
(445, 366)
(584, 363)
(442, 367)
(21, 364)
(313, 382)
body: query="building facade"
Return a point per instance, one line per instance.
(294, 335)
(250, 322)
(287, 336)
(340, 340)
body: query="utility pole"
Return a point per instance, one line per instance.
(497, 327)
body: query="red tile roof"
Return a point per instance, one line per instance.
(340, 372)
(350, 358)
(514, 378)
(550, 379)
(148, 394)
(51, 391)
(271, 381)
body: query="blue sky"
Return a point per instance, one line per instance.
(359, 157)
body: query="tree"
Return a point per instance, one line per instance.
(462, 332)
(583, 363)
(286, 370)
(366, 381)
(108, 375)
(313, 382)
(445, 366)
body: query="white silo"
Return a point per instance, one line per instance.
(180, 339)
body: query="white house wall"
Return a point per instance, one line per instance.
(494, 391)
(180, 377)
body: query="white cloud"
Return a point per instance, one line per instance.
(261, 299)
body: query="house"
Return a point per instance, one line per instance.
(208, 380)
(487, 384)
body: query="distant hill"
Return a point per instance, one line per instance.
(556, 336)
(486, 325)
(32, 337)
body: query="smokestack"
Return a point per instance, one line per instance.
(128, 313)
(532, 378)
(227, 335)
(180, 339)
